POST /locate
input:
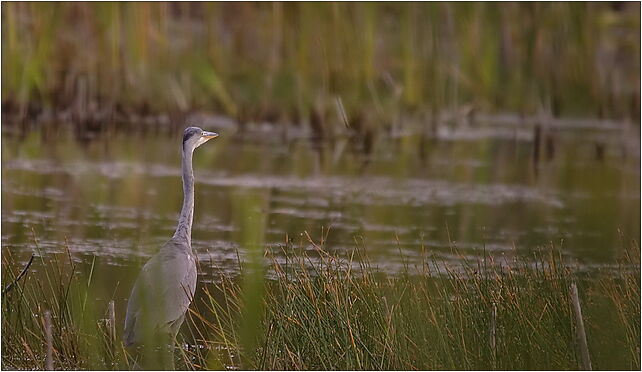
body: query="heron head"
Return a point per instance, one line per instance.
(194, 137)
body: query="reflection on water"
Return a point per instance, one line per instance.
(118, 198)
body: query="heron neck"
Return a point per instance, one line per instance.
(184, 228)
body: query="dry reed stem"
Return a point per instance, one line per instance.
(49, 364)
(579, 329)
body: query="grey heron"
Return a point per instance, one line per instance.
(166, 284)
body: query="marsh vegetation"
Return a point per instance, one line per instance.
(342, 313)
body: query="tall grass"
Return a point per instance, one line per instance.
(289, 62)
(322, 311)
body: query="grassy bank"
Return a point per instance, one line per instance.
(101, 63)
(327, 312)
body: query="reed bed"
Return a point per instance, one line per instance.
(96, 64)
(324, 311)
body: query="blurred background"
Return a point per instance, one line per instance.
(277, 62)
(404, 127)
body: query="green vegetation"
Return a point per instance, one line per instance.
(321, 311)
(110, 62)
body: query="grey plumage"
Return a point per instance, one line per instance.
(166, 285)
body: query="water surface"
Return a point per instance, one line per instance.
(114, 200)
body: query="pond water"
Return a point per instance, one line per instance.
(114, 200)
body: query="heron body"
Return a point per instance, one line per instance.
(165, 287)
(162, 293)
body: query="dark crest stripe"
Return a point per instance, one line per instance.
(187, 135)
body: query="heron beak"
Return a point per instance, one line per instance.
(209, 135)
